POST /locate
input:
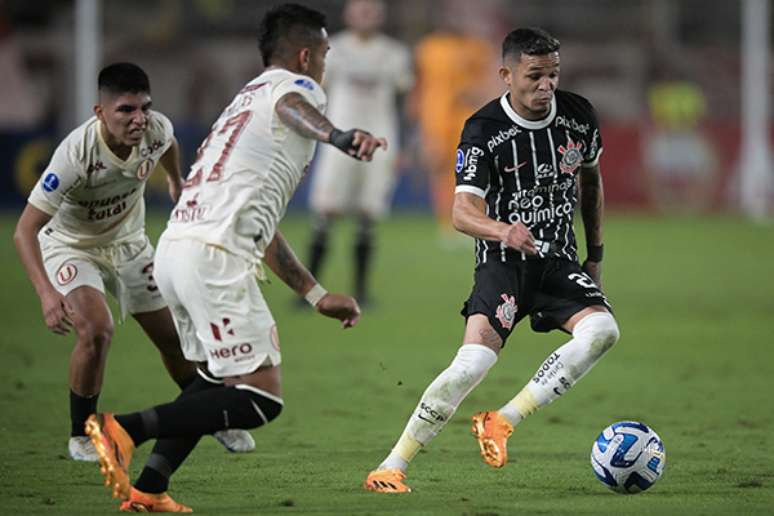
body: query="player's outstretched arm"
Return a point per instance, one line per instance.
(283, 262)
(55, 308)
(469, 217)
(170, 160)
(592, 200)
(306, 120)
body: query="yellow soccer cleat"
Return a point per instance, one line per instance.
(147, 502)
(492, 431)
(115, 448)
(386, 481)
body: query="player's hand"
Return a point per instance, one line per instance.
(341, 307)
(357, 143)
(520, 238)
(56, 312)
(175, 189)
(594, 270)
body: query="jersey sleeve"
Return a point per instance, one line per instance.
(593, 149)
(161, 129)
(63, 174)
(305, 86)
(473, 165)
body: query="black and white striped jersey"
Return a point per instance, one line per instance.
(527, 170)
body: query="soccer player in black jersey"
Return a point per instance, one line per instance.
(522, 162)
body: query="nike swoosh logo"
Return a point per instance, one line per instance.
(425, 419)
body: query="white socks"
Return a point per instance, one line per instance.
(439, 402)
(592, 337)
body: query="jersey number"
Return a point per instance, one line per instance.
(583, 280)
(236, 125)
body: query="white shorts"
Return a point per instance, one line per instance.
(125, 270)
(341, 184)
(218, 309)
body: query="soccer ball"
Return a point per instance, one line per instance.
(628, 457)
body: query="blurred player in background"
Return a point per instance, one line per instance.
(365, 74)
(518, 164)
(83, 232)
(454, 66)
(221, 230)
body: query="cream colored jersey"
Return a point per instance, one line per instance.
(362, 78)
(95, 198)
(247, 169)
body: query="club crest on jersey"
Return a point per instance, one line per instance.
(66, 273)
(51, 182)
(506, 311)
(572, 156)
(144, 170)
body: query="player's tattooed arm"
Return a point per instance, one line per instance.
(283, 262)
(303, 118)
(592, 204)
(307, 121)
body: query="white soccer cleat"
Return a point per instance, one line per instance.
(81, 448)
(235, 440)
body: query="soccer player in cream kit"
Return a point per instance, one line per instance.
(519, 163)
(220, 232)
(82, 233)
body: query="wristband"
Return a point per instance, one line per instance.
(594, 252)
(315, 294)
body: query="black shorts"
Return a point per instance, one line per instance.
(549, 290)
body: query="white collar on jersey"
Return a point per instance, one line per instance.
(523, 122)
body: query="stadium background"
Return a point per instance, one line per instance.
(687, 272)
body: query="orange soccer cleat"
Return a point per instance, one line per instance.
(492, 431)
(148, 502)
(386, 481)
(114, 447)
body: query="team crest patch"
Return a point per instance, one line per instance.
(144, 170)
(572, 156)
(66, 274)
(506, 312)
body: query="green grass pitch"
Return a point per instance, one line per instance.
(695, 301)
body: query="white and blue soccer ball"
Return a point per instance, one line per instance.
(628, 457)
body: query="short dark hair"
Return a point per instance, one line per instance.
(286, 28)
(123, 78)
(531, 41)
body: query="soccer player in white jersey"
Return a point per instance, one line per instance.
(365, 74)
(221, 230)
(83, 232)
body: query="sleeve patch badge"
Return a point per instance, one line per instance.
(51, 182)
(304, 83)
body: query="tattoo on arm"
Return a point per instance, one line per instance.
(282, 260)
(303, 118)
(490, 338)
(592, 204)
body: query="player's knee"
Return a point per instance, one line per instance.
(263, 408)
(601, 331)
(94, 336)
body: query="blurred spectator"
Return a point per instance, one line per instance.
(457, 72)
(679, 159)
(18, 107)
(365, 72)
